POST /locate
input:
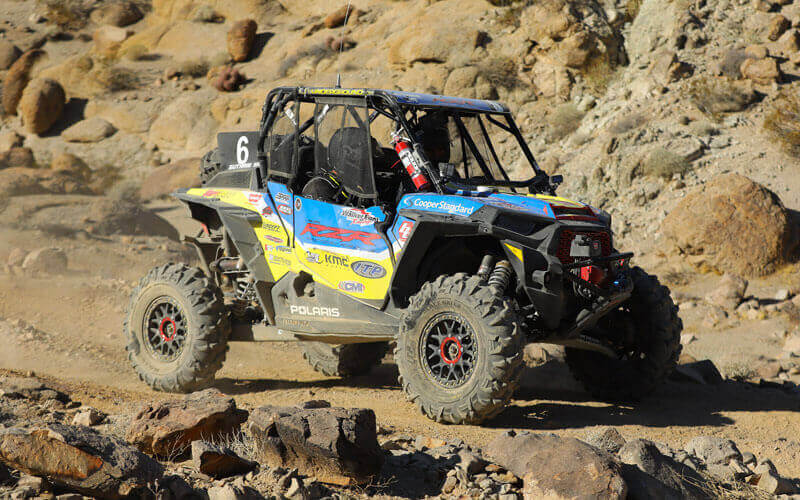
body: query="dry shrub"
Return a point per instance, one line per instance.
(632, 9)
(115, 78)
(731, 63)
(664, 164)
(66, 14)
(598, 74)
(194, 68)
(628, 122)
(715, 95)
(316, 52)
(500, 72)
(782, 121)
(564, 120)
(739, 371)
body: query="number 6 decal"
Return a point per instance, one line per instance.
(242, 153)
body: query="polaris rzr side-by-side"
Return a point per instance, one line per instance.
(353, 219)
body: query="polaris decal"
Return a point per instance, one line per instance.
(326, 312)
(352, 286)
(368, 269)
(335, 233)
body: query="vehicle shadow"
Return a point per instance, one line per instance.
(557, 401)
(381, 377)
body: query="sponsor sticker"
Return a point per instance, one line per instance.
(404, 231)
(279, 261)
(335, 233)
(272, 227)
(337, 260)
(285, 209)
(210, 193)
(351, 286)
(254, 198)
(359, 216)
(282, 197)
(266, 211)
(325, 312)
(298, 204)
(313, 257)
(283, 249)
(273, 239)
(443, 205)
(368, 269)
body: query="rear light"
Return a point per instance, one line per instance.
(593, 275)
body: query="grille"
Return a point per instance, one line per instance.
(565, 242)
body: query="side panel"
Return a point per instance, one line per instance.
(342, 249)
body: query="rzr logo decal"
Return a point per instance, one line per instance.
(335, 233)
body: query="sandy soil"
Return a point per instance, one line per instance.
(70, 331)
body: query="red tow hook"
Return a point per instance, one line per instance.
(593, 275)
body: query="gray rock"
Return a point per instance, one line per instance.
(748, 458)
(713, 450)
(606, 438)
(337, 445)
(46, 260)
(774, 484)
(88, 417)
(729, 293)
(700, 372)
(470, 462)
(555, 467)
(657, 475)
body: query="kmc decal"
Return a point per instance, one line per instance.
(335, 233)
(368, 269)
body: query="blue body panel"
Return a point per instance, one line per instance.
(466, 206)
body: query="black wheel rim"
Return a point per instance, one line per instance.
(164, 329)
(449, 350)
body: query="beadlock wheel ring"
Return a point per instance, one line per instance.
(164, 329)
(448, 350)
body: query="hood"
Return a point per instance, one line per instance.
(552, 207)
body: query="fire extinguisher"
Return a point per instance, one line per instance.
(412, 161)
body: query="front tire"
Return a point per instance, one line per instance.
(347, 360)
(459, 352)
(177, 329)
(646, 333)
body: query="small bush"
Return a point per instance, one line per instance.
(731, 63)
(115, 78)
(664, 164)
(598, 74)
(194, 68)
(564, 120)
(500, 72)
(739, 371)
(628, 122)
(783, 122)
(66, 14)
(715, 95)
(134, 52)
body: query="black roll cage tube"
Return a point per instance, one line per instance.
(286, 94)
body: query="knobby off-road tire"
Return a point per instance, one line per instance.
(646, 331)
(479, 343)
(177, 329)
(347, 360)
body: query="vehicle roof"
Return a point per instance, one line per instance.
(410, 98)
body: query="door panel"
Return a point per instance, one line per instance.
(340, 247)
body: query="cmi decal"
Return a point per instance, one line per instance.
(351, 286)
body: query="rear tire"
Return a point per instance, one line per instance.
(646, 331)
(459, 352)
(347, 360)
(177, 329)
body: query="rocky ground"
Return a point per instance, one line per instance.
(204, 446)
(677, 117)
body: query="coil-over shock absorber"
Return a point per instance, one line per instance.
(497, 277)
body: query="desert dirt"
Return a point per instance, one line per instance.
(78, 345)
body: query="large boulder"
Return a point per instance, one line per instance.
(185, 121)
(168, 429)
(558, 468)
(337, 445)
(17, 79)
(240, 39)
(651, 474)
(732, 224)
(8, 54)
(93, 129)
(116, 14)
(80, 459)
(41, 105)
(68, 163)
(165, 179)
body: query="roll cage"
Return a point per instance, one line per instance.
(402, 108)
